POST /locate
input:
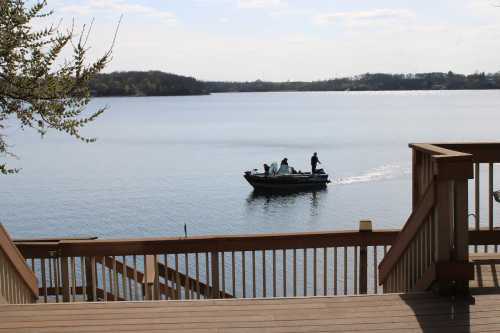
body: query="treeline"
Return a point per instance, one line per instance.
(156, 83)
(152, 83)
(422, 81)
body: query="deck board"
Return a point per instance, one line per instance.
(379, 313)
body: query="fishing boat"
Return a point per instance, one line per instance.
(291, 182)
(286, 179)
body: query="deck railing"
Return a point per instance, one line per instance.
(481, 214)
(430, 252)
(17, 282)
(432, 249)
(272, 265)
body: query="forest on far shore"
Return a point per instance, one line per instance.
(156, 83)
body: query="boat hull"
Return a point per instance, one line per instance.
(287, 182)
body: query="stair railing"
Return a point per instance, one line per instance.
(431, 251)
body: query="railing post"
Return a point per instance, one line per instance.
(215, 274)
(65, 279)
(461, 240)
(149, 277)
(365, 226)
(443, 230)
(416, 160)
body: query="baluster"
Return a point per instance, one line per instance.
(136, 291)
(157, 294)
(363, 269)
(171, 278)
(223, 264)
(166, 277)
(423, 252)
(124, 277)
(264, 291)
(490, 208)
(233, 272)
(145, 280)
(345, 270)
(114, 285)
(476, 198)
(56, 275)
(315, 272)
(424, 249)
(254, 282)
(294, 272)
(103, 271)
(305, 272)
(207, 274)
(355, 249)
(490, 196)
(44, 279)
(130, 295)
(197, 276)
(416, 257)
(83, 278)
(52, 283)
(177, 277)
(187, 288)
(73, 278)
(429, 242)
(93, 280)
(404, 273)
(243, 274)
(325, 271)
(335, 271)
(284, 273)
(274, 273)
(375, 275)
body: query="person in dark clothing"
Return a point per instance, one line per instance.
(266, 169)
(314, 162)
(284, 161)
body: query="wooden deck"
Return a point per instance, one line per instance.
(391, 312)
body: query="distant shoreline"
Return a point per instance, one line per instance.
(160, 84)
(293, 91)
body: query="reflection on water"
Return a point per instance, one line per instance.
(285, 199)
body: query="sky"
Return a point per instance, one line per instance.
(280, 40)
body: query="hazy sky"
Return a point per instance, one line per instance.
(291, 39)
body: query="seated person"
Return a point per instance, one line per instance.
(266, 169)
(284, 169)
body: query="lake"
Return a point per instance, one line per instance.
(162, 162)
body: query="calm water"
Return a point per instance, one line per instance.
(162, 162)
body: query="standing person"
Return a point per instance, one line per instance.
(314, 162)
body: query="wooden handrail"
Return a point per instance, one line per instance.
(18, 262)
(145, 246)
(482, 152)
(51, 240)
(440, 152)
(407, 234)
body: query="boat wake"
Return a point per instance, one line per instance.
(385, 172)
